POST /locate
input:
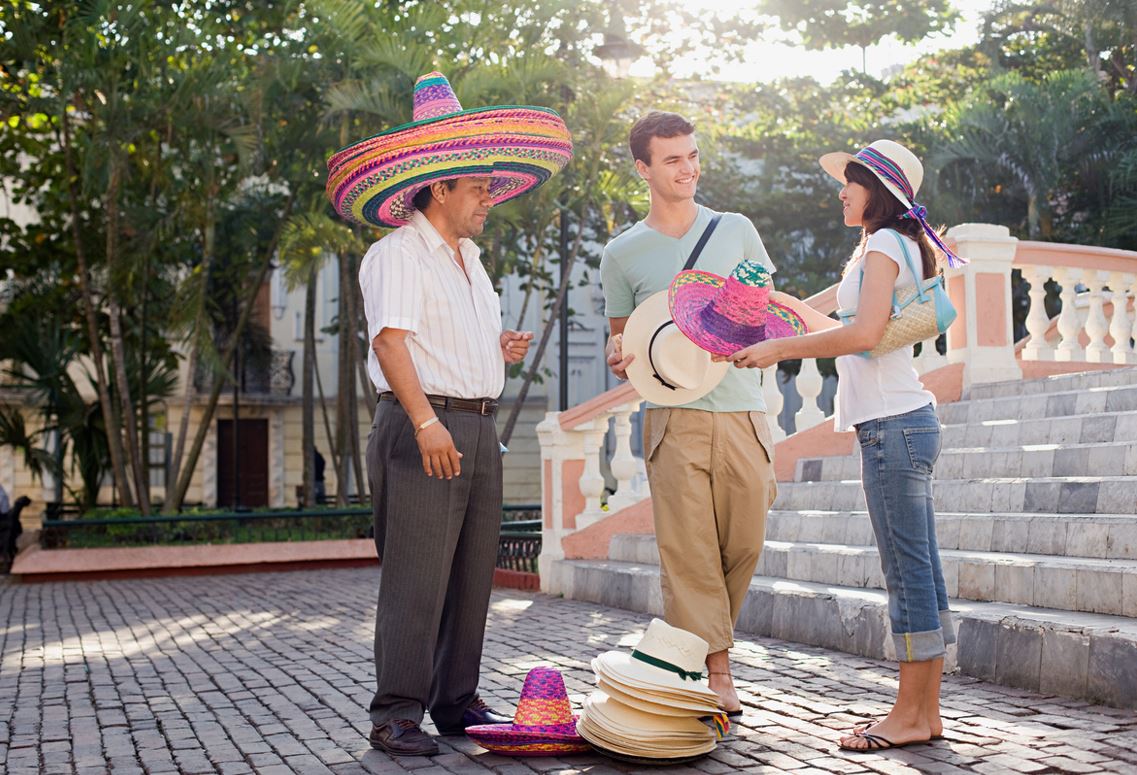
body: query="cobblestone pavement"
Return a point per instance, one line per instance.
(271, 673)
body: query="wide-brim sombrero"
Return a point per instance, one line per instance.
(518, 146)
(695, 300)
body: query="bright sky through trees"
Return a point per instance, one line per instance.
(778, 57)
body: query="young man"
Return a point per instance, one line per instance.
(437, 359)
(709, 463)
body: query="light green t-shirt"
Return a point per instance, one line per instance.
(642, 261)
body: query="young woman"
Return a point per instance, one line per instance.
(883, 399)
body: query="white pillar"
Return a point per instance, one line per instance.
(592, 481)
(809, 384)
(774, 401)
(1037, 321)
(1119, 324)
(982, 337)
(623, 463)
(1069, 322)
(1096, 324)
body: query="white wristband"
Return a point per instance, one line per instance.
(425, 424)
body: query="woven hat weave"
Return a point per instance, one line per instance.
(722, 315)
(519, 147)
(544, 724)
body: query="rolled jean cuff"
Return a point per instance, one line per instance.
(947, 624)
(919, 646)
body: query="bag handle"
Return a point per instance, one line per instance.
(923, 294)
(702, 241)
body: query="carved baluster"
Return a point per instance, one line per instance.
(1119, 324)
(592, 481)
(809, 384)
(1037, 321)
(1096, 324)
(774, 400)
(1069, 322)
(623, 464)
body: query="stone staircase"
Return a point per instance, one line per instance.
(1036, 497)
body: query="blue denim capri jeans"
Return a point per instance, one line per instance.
(897, 457)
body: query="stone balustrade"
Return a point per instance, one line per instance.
(1096, 325)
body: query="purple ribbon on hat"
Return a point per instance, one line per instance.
(891, 171)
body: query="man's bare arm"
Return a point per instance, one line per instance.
(439, 456)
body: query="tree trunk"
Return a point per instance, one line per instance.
(332, 450)
(208, 242)
(110, 416)
(343, 386)
(118, 345)
(186, 474)
(308, 412)
(351, 297)
(546, 335)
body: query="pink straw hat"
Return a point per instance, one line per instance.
(723, 315)
(544, 724)
(518, 147)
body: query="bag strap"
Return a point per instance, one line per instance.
(923, 294)
(702, 241)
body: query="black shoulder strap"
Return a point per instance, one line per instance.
(703, 241)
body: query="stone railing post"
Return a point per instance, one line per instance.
(562, 463)
(983, 343)
(623, 464)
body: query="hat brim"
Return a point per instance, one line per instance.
(519, 147)
(624, 669)
(645, 700)
(835, 163)
(692, 291)
(638, 331)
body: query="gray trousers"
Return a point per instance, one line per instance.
(437, 541)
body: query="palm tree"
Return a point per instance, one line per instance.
(1022, 134)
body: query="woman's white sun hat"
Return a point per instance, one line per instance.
(901, 173)
(668, 369)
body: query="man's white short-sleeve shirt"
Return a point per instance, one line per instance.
(411, 280)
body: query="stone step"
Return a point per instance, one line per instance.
(1057, 384)
(1110, 398)
(1065, 583)
(1079, 429)
(999, 495)
(1071, 654)
(1112, 459)
(1100, 536)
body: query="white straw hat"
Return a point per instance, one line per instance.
(669, 369)
(667, 661)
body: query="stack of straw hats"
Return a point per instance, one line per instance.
(649, 702)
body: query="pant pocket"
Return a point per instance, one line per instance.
(923, 447)
(761, 425)
(655, 426)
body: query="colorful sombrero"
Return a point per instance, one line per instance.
(544, 724)
(722, 315)
(519, 147)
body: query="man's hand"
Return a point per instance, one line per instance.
(439, 456)
(515, 345)
(617, 363)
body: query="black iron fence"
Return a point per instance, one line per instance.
(519, 545)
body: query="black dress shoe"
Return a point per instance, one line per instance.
(402, 737)
(476, 714)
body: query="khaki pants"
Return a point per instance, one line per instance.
(712, 482)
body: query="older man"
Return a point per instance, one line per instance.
(437, 359)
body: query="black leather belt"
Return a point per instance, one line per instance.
(482, 406)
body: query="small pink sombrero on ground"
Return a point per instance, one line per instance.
(518, 147)
(544, 724)
(722, 315)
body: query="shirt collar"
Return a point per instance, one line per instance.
(434, 240)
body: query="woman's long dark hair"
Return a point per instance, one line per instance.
(883, 211)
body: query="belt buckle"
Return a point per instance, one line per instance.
(485, 410)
